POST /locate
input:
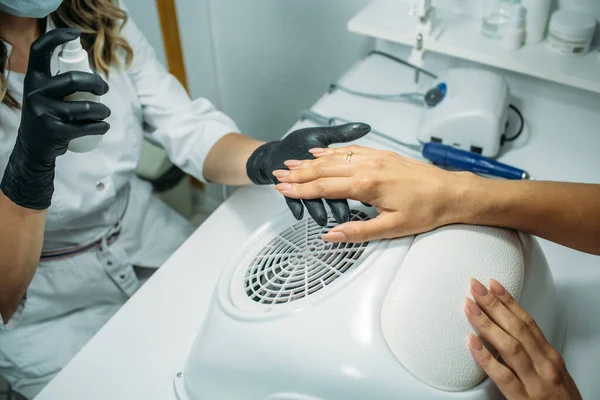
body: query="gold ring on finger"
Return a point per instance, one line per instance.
(349, 156)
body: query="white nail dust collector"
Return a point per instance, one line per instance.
(294, 318)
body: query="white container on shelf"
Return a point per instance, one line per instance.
(514, 33)
(571, 32)
(538, 12)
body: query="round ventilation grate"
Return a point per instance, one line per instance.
(297, 263)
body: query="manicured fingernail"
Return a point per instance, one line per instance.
(337, 237)
(281, 173)
(283, 186)
(497, 288)
(475, 342)
(473, 308)
(321, 152)
(292, 163)
(478, 287)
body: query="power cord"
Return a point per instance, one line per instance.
(333, 121)
(419, 99)
(521, 125)
(403, 62)
(412, 98)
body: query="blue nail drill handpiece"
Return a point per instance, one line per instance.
(448, 156)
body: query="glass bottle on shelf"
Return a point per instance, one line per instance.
(495, 16)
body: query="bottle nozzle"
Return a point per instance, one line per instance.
(71, 49)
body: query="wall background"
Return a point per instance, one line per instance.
(260, 61)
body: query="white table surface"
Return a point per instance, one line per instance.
(138, 352)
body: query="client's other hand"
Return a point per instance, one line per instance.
(531, 368)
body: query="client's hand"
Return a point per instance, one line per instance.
(412, 197)
(532, 369)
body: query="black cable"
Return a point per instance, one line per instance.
(521, 126)
(403, 62)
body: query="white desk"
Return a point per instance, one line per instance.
(138, 352)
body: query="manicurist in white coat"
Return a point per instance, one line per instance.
(74, 225)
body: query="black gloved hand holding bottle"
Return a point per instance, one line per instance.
(48, 123)
(271, 156)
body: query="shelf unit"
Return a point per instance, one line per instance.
(459, 35)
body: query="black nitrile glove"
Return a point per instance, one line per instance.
(271, 156)
(48, 123)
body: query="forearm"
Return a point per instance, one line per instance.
(21, 237)
(565, 213)
(226, 161)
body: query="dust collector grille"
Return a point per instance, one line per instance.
(297, 263)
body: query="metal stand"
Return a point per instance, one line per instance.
(423, 10)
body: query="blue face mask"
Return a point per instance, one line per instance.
(29, 8)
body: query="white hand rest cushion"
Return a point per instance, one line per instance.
(423, 319)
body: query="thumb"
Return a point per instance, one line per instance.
(383, 226)
(342, 133)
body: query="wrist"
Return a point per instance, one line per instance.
(255, 166)
(465, 197)
(28, 183)
(486, 201)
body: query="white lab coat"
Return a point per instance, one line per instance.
(70, 299)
